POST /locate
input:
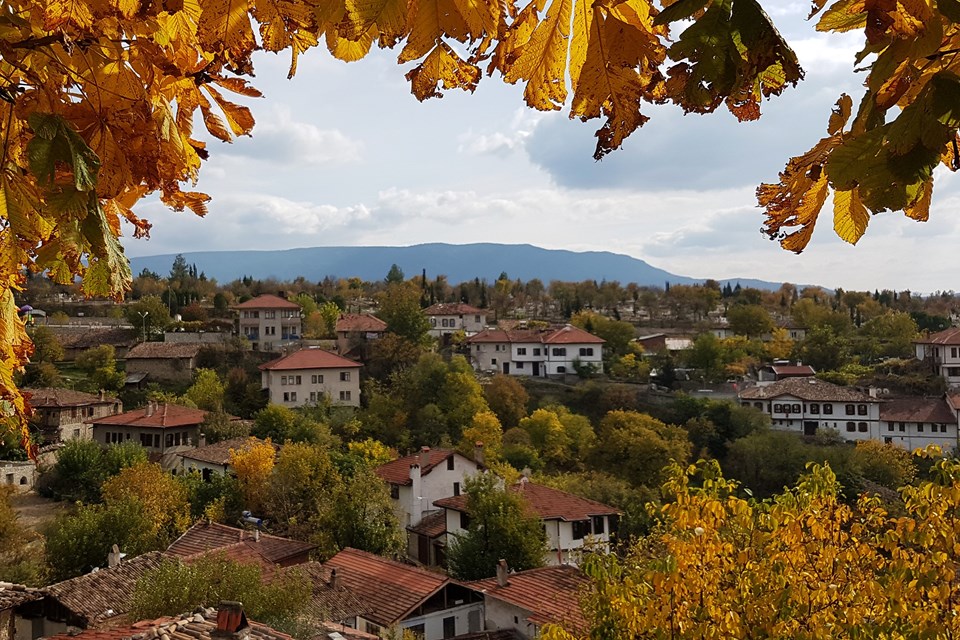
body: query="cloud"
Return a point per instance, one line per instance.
(502, 142)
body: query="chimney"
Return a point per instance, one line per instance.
(256, 535)
(113, 558)
(202, 440)
(424, 456)
(151, 407)
(231, 621)
(874, 392)
(100, 395)
(502, 573)
(415, 508)
(334, 579)
(478, 456)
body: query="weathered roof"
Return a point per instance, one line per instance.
(329, 601)
(309, 359)
(806, 389)
(398, 471)
(55, 397)
(548, 503)
(219, 452)
(349, 322)
(162, 417)
(949, 336)
(917, 410)
(567, 334)
(89, 337)
(164, 350)
(550, 594)
(12, 595)
(432, 525)
(207, 536)
(390, 589)
(245, 552)
(793, 370)
(191, 626)
(267, 301)
(104, 593)
(452, 309)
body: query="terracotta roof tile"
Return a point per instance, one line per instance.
(164, 416)
(570, 334)
(550, 594)
(267, 301)
(452, 309)
(432, 525)
(810, 389)
(949, 336)
(191, 626)
(12, 595)
(548, 503)
(390, 589)
(204, 536)
(917, 410)
(309, 359)
(398, 471)
(56, 397)
(349, 322)
(89, 337)
(162, 350)
(219, 452)
(105, 593)
(328, 602)
(567, 334)
(793, 370)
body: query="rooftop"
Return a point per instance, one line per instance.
(548, 503)
(330, 601)
(161, 350)
(567, 334)
(309, 359)
(550, 594)
(55, 397)
(432, 525)
(398, 471)
(162, 417)
(918, 410)
(793, 370)
(267, 301)
(949, 336)
(12, 595)
(219, 452)
(810, 389)
(452, 309)
(208, 536)
(391, 590)
(349, 322)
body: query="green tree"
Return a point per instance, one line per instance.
(547, 435)
(329, 314)
(823, 349)
(616, 333)
(501, 527)
(638, 447)
(749, 320)
(206, 392)
(150, 314)
(46, 346)
(21, 558)
(395, 275)
(302, 491)
(400, 309)
(120, 455)
(507, 398)
(217, 426)
(79, 471)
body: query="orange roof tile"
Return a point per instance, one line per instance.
(208, 536)
(349, 322)
(398, 471)
(550, 594)
(432, 525)
(390, 589)
(570, 334)
(56, 397)
(949, 336)
(159, 350)
(309, 359)
(567, 334)
(548, 503)
(164, 416)
(917, 410)
(267, 301)
(452, 309)
(810, 389)
(190, 626)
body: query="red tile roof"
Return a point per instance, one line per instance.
(949, 336)
(390, 589)
(432, 525)
(219, 452)
(917, 410)
(163, 416)
(793, 370)
(398, 471)
(349, 322)
(452, 309)
(55, 397)
(329, 601)
(12, 595)
(190, 626)
(267, 301)
(567, 334)
(570, 334)
(548, 503)
(204, 536)
(550, 594)
(309, 359)
(161, 350)
(810, 389)
(246, 552)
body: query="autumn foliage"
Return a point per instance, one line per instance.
(99, 98)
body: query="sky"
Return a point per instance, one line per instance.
(343, 154)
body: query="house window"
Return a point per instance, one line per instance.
(345, 396)
(795, 408)
(313, 396)
(344, 376)
(449, 627)
(76, 434)
(581, 528)
(597, 525)
(850, 409)
(851, 426)
(919, 427)
(862, 427)
(283, 380)
(861, 409)
(456, 488)
(146, 439)
(902, 426)
(518, 365)
(169, 439)
(758, 405)
(493, 361)
(536, 351)
(814, 407)
(559, 351)
(450, 462)
(828, 409)
(521, 351)
(476, 318)
(953, 352)
(395, 491)
(317, 379)
(586, 351)
(778, 408)
(561, 369)
(889, 426)
(299, 380)
(478, 348)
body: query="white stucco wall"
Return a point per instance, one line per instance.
(331, 386)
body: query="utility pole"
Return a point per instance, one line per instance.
(143, 316)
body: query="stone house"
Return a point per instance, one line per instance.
(446, 318)
(63, 414)
(164, 361)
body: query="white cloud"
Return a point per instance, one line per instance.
(278, 138)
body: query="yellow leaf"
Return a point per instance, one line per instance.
(850, 217)
(350, 50)
(844, 15)
(543, 60)
(840, 114)
(61, 13)
(238, 116)
(389, 16)
(225, 26)
(127, 8)
(432, 20)
(920, 209)
(481, 16)
(442, 66)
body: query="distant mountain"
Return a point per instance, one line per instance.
(458, 262)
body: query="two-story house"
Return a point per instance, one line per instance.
(449, 317)
(572, 524)
(355, 330)
(536, 352)
(269, 322)
(804, 405)
(163, 361)
(916, 423)
(309, 376)
(941, 351)
(61, 413)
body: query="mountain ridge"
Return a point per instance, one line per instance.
(459, 262)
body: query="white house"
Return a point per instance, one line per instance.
(803, 405)
(307, 376)
(269, 322)
(916, 423)
(941, 351)
(572, 524)
(446, 318)
(214, 459)
(535, 352)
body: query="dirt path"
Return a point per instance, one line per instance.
(35, 511)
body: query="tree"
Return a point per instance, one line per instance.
(507, 398)
(749, 320)
(501, 528)
(547, 435)
(79, 471)
(207, 391)
(150, 314)
(617, 334)
(638, 447)
(484, 428)
(163, 500)
(823, 349)
(301, 490)
(395, 275)
(46, 346)
(253, 463)
(20, 559)
(400, 309)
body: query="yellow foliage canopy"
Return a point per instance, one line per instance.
(98, 101)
